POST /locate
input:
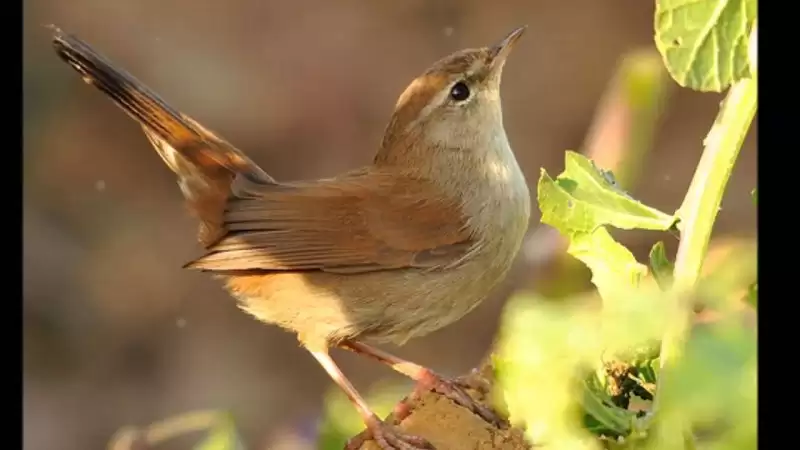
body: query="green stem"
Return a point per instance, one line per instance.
(700, 207)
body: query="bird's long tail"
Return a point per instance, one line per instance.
(205, 164)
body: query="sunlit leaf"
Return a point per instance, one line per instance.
(704, 43)
(608, 419)
(614, 268)
(584, 198)
(580, 203)
(648, 370)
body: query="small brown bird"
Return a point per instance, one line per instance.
(391, 251)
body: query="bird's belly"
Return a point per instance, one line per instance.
(385, 306)
(440, 300)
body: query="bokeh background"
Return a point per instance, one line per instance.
(116, 334)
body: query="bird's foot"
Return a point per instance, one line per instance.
(455, 390)
(387, 437)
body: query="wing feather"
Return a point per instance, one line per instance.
(364, 221)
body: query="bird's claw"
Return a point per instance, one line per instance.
(455, 390)
(388, 438)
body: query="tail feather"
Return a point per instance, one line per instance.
(206, 164)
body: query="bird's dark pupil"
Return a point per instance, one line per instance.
(459, 92)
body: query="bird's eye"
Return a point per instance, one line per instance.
(459, 92)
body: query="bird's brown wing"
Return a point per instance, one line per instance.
(206, 164)
(362, 222)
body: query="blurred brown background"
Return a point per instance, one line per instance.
(117, 334)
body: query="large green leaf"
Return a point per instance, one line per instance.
(704, 43)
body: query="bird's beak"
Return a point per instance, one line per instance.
(500, 51)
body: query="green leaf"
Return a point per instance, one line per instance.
(661, 266)
(580, 203)
(704, 43)
(584, 198)
(222, 436)
(615, 270)
(598, 405)
(754, 194)
(648, 370)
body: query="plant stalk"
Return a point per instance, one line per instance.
(701, 205)
(702, 202)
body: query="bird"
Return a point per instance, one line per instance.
(380, 254)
